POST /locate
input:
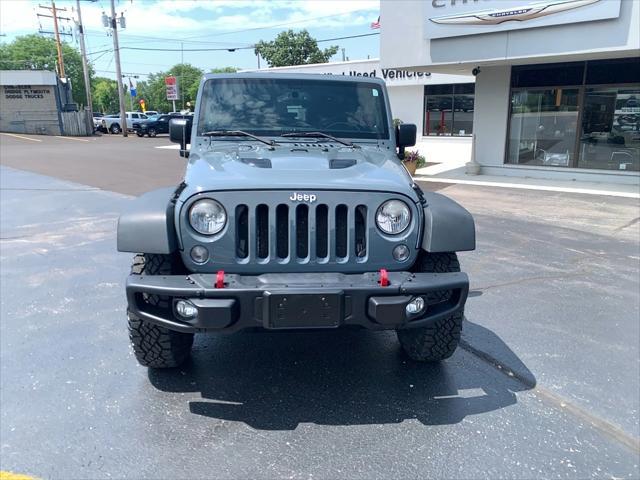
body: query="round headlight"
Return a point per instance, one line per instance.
(393, 217)
(207, 216)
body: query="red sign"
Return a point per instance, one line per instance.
(172, 88)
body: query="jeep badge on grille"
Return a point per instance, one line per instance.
(302, 197)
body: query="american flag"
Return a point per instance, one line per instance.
(375, 24)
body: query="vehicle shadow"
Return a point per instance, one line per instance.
(275, 381)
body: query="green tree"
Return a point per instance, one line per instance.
(188, 82)
(154, 92)
(105, 95)
(293, 48)
(33, 52)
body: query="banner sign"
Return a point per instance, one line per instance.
(371, 68)
(451, 18)
(172, 88)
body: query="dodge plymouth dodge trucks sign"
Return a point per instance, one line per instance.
(452, 18)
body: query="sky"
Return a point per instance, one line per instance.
(197, 24)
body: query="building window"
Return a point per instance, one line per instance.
(543, 126)
(580, 114)
(449, 109)
(610, 136)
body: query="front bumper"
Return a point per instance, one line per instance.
(298, 300)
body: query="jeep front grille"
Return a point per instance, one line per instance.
(301, 232)
(266, 232)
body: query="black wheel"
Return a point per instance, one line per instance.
(115, 128)
(155, 346)
(152, 132)
(139, 133)
(439, 340)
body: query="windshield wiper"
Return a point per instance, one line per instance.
(238, 133)
(320, 134)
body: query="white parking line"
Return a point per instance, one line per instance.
(588, 191)
(169, 147)
(72, 138)
(21, 137)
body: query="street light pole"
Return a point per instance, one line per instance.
(85, 68)
(116, 52)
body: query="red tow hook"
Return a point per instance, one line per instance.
(384, 278)
(220, 279)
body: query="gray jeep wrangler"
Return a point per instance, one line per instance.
(295, 212)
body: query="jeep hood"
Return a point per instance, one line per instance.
(296, 167)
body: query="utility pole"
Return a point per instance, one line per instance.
(85, 67)
(58, 45)
(116, 53)
(56, 32)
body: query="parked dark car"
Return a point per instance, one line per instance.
(154, 126)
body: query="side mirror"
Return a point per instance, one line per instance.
(180, 132)
(405, 137)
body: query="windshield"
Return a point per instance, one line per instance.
(271, 107)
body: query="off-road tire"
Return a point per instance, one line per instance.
(438, 341)
(152, 132)
(155, 346)
(115, 128)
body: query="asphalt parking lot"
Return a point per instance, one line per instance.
(546, 384)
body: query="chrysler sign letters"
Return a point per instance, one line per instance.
(467, 17)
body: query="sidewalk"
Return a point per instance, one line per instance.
(454, 172)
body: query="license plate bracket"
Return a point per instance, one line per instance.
(302, 310)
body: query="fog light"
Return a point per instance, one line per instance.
(186, 309)
(199, 254)
(401, 253)
(415, 306)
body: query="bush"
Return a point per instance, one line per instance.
(414, 156)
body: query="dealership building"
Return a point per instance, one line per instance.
(38, 102)
(557, 82)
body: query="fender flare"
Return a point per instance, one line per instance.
(448, 227)
(147, 226)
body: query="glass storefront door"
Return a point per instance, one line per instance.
(610, 136)
(543, 126)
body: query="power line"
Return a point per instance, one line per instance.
(188, 39)
(130, 39)
(350, 36)
(124, 74)
(229, 49)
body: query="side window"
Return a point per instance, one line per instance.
(142, 115)
(134, 115)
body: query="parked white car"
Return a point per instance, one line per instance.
(112, 123)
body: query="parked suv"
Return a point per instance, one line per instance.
(113, 123)
(295, 213)
(155, 125)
